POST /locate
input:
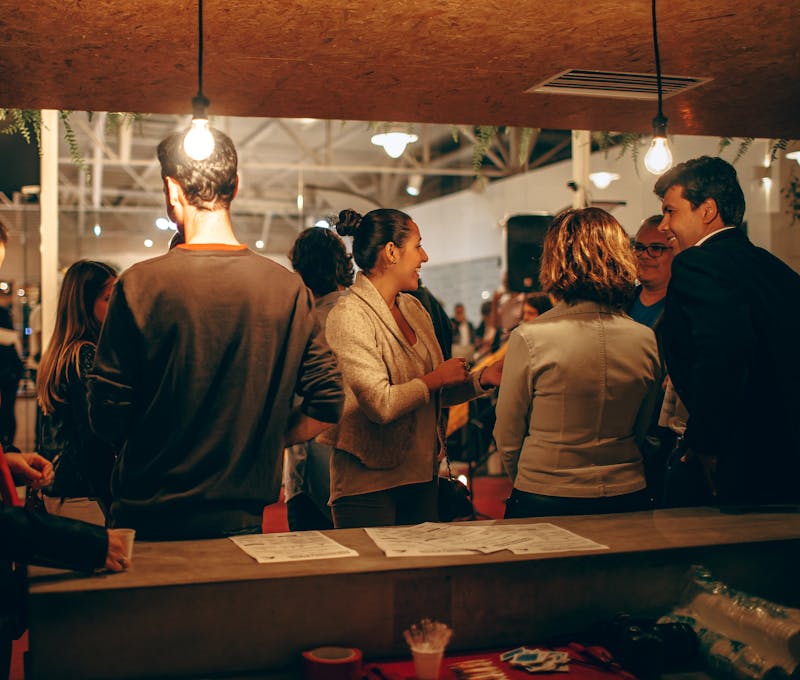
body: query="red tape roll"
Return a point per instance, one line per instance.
(332, 663)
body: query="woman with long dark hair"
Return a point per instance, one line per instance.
(387, 444)
(81, 460)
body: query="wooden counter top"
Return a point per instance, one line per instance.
(190, 562)
(201, 607)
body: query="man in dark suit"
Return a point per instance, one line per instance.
(731, 332)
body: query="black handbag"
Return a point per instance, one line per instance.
(454, 498)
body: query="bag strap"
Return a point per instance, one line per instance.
(443, 445)
(450, 474)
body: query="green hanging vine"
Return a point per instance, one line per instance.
(24, 122)
(28, 124)
(626, 141)
(791, 192)
(72, 142)
(525, 137)
(483, 142)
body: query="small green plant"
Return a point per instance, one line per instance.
(792, 194)
(28, 124)
(744, 147)
(483, 142)
(775, 145)
(25, 122)
(526, 135)
(484, 134)
(625, 141)
(72, 143)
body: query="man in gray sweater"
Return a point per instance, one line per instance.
(202, 351)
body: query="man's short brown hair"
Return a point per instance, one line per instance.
(209, 184)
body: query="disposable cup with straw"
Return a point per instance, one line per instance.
(427, 640)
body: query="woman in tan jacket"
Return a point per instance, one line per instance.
(580, 380)
(387, 444)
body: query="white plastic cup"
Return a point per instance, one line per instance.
(427, 663)
(128, 536)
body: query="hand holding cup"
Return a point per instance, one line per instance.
(120, 549)
(453, 371)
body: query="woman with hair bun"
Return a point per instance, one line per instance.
(387, 445)
(580, 380)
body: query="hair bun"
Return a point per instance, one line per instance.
(348, 223)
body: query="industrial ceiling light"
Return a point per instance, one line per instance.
(199, 142)
(602, 180)
(414, 184)
(658, 158)
(394, 142)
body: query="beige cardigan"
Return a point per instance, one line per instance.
(387, 436)
(578, 390)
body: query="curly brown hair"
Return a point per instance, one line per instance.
(319, 256)
(587, 255)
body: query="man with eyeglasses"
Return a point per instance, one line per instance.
(653, 263)
(731, 333)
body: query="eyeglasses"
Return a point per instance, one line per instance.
(653, 249)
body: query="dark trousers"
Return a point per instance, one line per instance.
(407, 504)
(303, 515)
(685, 482)
(524, 504)
(5, 657)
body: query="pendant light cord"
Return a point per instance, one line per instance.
(658, 59)
(200, 47)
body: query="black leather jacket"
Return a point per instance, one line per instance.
(82, 461)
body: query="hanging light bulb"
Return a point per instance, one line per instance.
(199, 142)
(658, 158)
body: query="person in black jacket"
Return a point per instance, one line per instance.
(35, 538)
(32, 538)
(731, 332)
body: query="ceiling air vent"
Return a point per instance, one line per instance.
(615, 84)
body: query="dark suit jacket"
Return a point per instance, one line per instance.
(731, 332)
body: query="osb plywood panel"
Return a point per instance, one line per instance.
(446, 61)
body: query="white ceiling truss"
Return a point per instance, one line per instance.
(331, 163)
